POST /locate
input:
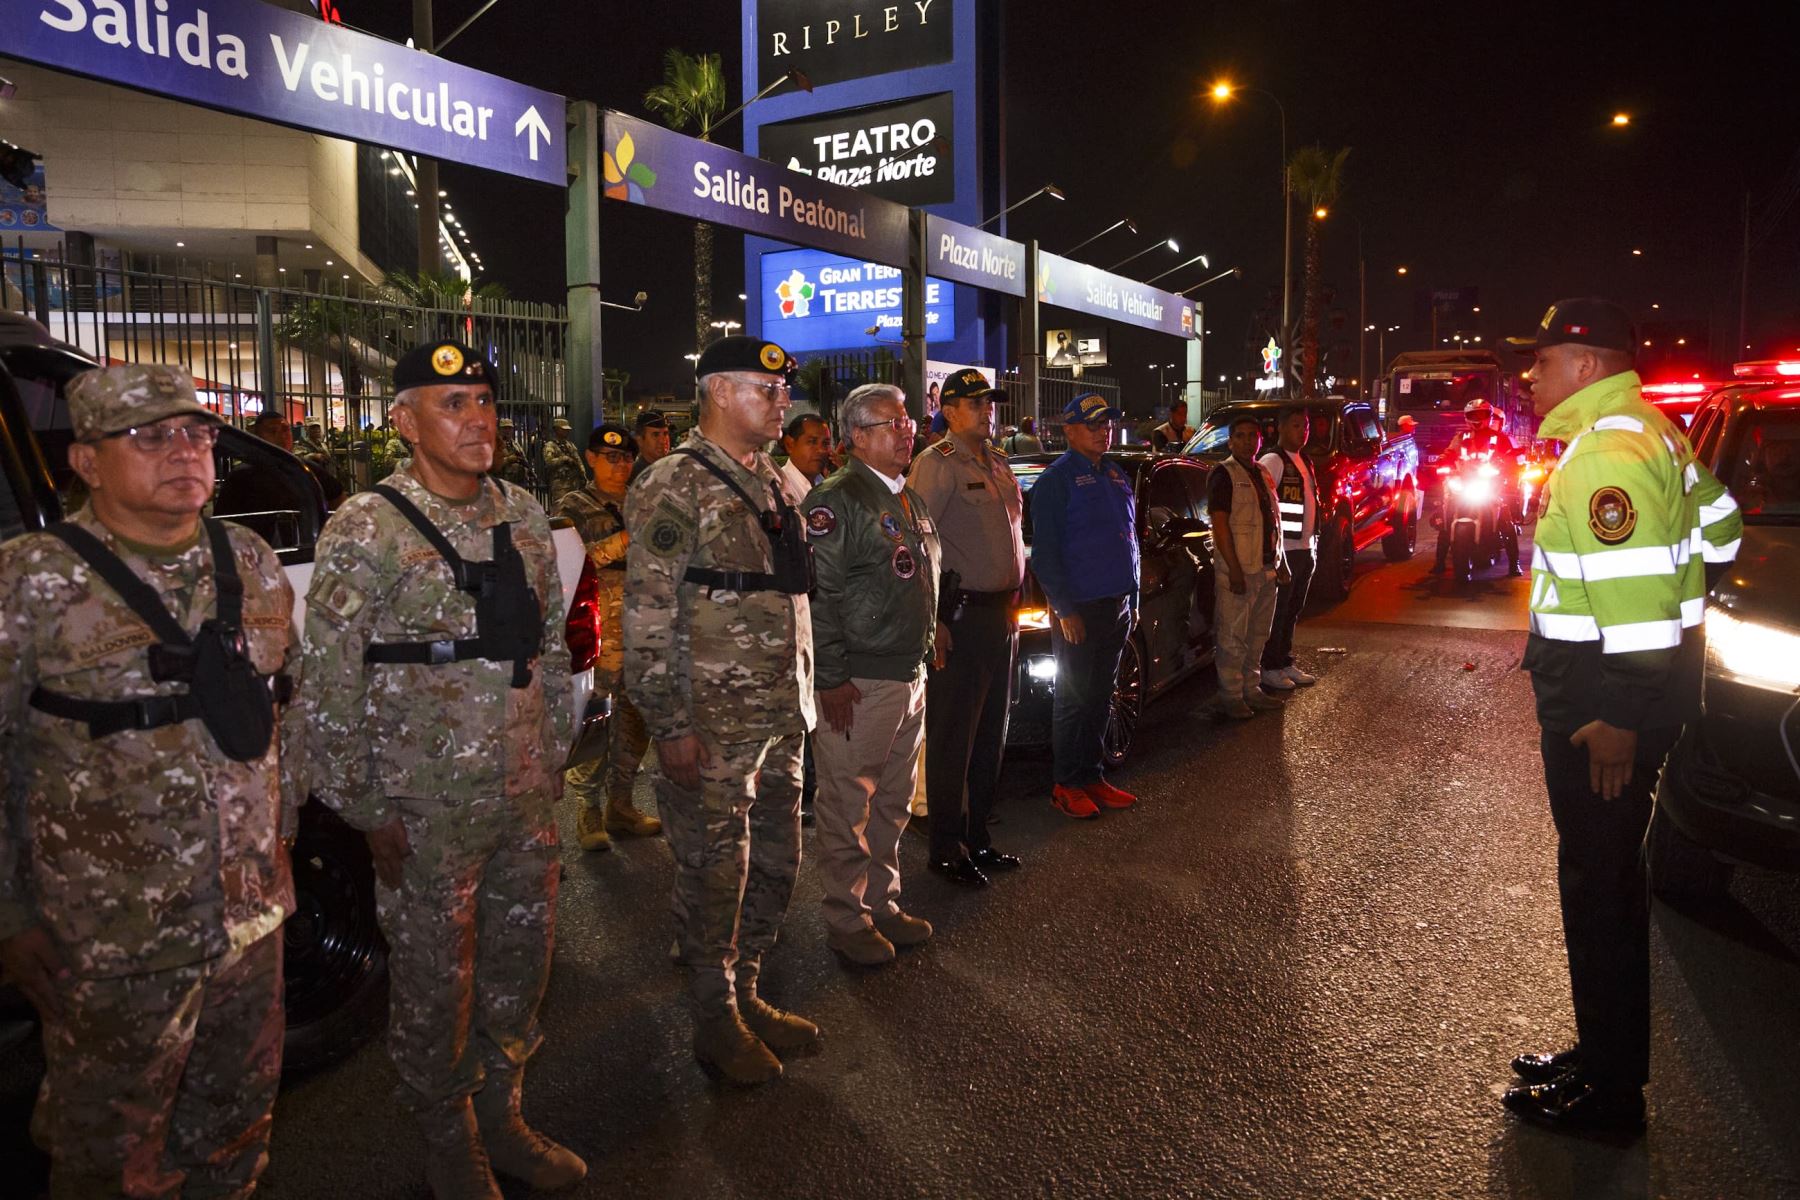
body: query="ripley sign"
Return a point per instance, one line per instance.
(248, 57)
(897, 151)
(835, 40)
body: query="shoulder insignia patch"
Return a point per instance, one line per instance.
(1611, 516)
(905, 565)
(890, 525)
(820, 521)
(945, 447)
(669, 530)
(341, 600)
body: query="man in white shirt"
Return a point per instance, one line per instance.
(1297, 499)
(807, 443)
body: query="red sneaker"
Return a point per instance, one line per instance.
(1109, 795)
(1073, 802)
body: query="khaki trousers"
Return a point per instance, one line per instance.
(866, 783)
(1241, 625)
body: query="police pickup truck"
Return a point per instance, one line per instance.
(336, 961)
(1368, 480)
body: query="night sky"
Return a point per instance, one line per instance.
(1483, 155)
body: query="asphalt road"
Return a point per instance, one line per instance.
(1297, 968)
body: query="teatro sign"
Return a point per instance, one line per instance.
(897, 151)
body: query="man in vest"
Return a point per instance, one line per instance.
(1084, 552)
(874, 631)
(1480, 439)
(1247, 570)
(1297, 503)
(718, 658)
(436, 689)
(142, 878)
(1172, 434)
(1628, 524)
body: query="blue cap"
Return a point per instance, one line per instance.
(939, 424)
(1088, 408)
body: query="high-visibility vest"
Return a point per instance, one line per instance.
(1292, 501)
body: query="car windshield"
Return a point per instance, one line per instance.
(1443, 391)
(1215, 431)
(1763, 470)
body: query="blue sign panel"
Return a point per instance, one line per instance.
(1084, 289)
(248, 57)
(974, 256)
(649, 165)
(817, 301)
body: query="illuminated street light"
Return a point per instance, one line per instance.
(1621, 118)
(1399, 270)
(1171, 243)
(1049, 189)
(1222, 91)
(1636, 253)
(1321, 213)
(1124, 222)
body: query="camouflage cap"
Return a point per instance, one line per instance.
(110, 399)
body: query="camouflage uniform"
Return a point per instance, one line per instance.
(734, 668)
(608, 780)
(511, 464)
(152, 860)
(468, 764)
(564, 465)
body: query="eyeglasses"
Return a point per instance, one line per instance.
(616, 458)
(771, 392)
(897, 424)
(156, 439)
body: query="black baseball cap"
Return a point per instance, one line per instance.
(435, 364)
(650, 418)
(965, 384)
(1583, 321)
(741, 353)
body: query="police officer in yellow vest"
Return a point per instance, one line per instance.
(1628, 523)
(1247, 569)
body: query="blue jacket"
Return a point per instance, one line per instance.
(1084, 532)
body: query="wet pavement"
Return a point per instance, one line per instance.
(1297, 968)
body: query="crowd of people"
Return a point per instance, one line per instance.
(767, 631)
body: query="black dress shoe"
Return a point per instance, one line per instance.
(959, 870)
(1571, 1104)
(1542, 1068)
(990, 859)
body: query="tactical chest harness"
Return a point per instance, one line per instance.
(793, 574)
(509, 620)
(225, 691)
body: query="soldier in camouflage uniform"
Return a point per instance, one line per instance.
(143, 882)
(440, 734)
(510, 462)
(718, 658)
(563, 463)
(603, 786)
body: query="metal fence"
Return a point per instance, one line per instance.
(322, 358)
(823, 380)
(1056, 388)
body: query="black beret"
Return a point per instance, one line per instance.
(740, 353)
(650, 418)
(611, 437)
(437, 363)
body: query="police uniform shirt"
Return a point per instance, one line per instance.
(977, 510)
(1218, 499)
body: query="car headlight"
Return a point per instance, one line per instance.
(1041, 668)
(1033, 618)
(1751, 652)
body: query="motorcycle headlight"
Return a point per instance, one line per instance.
(1478, 490)
(1752, 653)
(1033, 618)
(1041, 668)
(1456, 485)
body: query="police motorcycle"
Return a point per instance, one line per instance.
(1477, 513)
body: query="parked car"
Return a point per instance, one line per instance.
(1730, 793)
(1368, 480)
(335, 958)
(1173, 635)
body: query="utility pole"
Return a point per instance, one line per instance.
(1362, 318)
(1744, 285)
(426, 172)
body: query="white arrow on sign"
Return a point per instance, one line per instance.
(532, 120)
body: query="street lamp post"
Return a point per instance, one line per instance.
(1171, 243)
(1123, 222)
(1223, 91)
(1049, 189)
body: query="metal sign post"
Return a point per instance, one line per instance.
(583, 380)
(912, 316)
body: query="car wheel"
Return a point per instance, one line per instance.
(1337, 560)
(1401, 544)
(335, 957)
(1681, 869)
(1127, 706)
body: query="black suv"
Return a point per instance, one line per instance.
(1731, 791)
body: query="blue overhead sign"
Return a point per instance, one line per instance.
(1066, 283)
(812, 300)
(248, 57)
(974, 256)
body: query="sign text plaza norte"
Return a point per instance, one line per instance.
(248, 57)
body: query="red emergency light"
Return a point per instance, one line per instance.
(1768, 368)
(1667, 391)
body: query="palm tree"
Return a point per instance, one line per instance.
(692, 93)
(1318, 179)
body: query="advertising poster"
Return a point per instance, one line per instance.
(1075, 347)
(22, 208)
(816, 301)
(935, 374)
(900, 152)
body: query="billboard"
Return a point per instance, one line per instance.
(833, 41)
(812, 300)
(1075, 347)
(900, 152)
(23, 209)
